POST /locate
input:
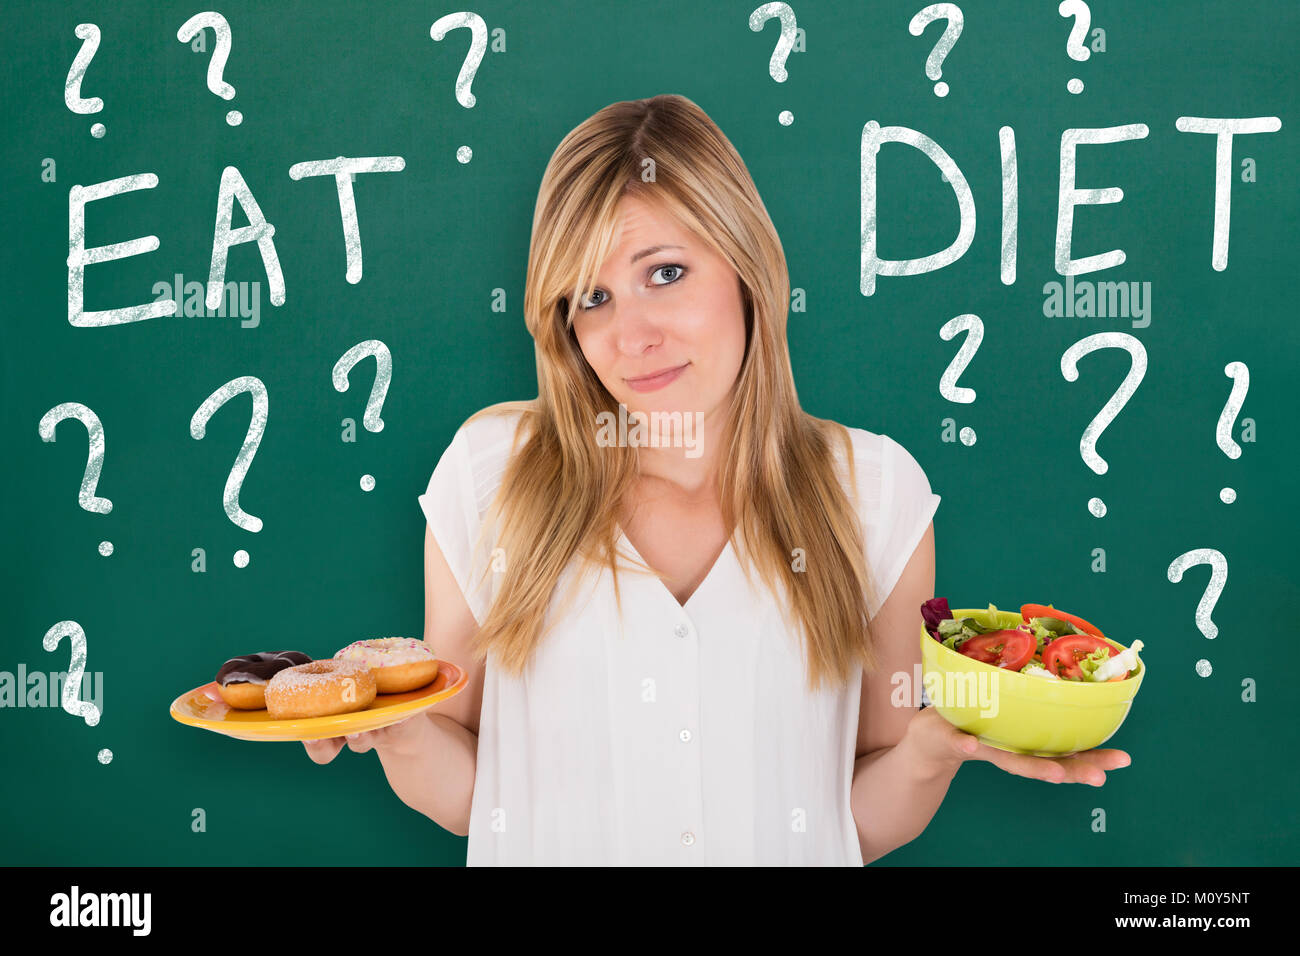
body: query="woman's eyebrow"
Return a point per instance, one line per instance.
(649, 252)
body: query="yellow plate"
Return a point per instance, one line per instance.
(203, 707)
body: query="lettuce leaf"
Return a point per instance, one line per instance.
(1088, 665)
(953, 632)
(934, 611)
(1048, 629)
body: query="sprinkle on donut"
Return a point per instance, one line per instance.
(399, 664)
(387, 652)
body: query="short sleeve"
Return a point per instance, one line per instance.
(907, 506)
(456, 498)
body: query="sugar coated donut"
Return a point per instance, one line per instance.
(319, 689)
(242, 680)
(398, 663)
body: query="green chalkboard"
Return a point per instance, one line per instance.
(444, 246)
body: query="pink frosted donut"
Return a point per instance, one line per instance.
(398, 664)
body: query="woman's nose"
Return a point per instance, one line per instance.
(636, 331)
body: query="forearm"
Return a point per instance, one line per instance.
(894, 796)
(436, 778)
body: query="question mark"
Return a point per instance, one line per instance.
(189, 30)
(94, 460)
(933, 63)
(1218, 578)
(784, 44)
(973, 326)
(1074, 47)
(1240, 376)
(88, 34)
(477, 47)
(72, 702)
(383, 377)
(1133, 378)
(256, 427)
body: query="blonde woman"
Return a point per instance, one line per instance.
(680, 637)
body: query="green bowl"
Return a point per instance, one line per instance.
(1013, 712)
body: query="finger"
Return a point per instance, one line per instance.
(1089, 767)
(361, 743)
(1107, 759)
(1081, 771)
(323, 751)
(1023, 765)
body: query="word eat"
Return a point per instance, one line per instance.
(258, 230)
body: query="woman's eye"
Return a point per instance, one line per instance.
(675, 271)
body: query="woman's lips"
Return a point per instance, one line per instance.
(652, 382)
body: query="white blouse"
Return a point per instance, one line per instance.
(669, 735)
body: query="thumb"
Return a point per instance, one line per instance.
(965, 744)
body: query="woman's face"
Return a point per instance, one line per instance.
(676, 310)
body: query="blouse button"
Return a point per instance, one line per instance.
(688, 838)
(685, 736)
(680, 630)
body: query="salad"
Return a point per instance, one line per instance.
(1050, 644)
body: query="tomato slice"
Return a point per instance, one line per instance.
(1010, 649)
(1045, 610)
(1062, 656)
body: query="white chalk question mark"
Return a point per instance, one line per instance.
(71, 700)
(1218, 578)
(88, 34)
(221, 29)
(256, 427)
(934, 62)
(1132, 379)
(1240, 376)
(973, 326)
(477, 47)
(94, 459)
(1074, 47)
(378, 392)
(784, 44)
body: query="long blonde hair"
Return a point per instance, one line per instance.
(778, 485)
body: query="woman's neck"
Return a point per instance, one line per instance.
(689, 462)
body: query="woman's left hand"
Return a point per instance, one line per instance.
(941, 747)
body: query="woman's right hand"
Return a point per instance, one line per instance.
(395, 740)
(938, 744)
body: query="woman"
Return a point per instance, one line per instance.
(733, 704)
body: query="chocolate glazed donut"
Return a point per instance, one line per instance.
(242, 680)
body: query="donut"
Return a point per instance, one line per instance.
(242, 680)
(398, 663)
(319, 689)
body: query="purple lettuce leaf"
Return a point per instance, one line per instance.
(934, 611)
